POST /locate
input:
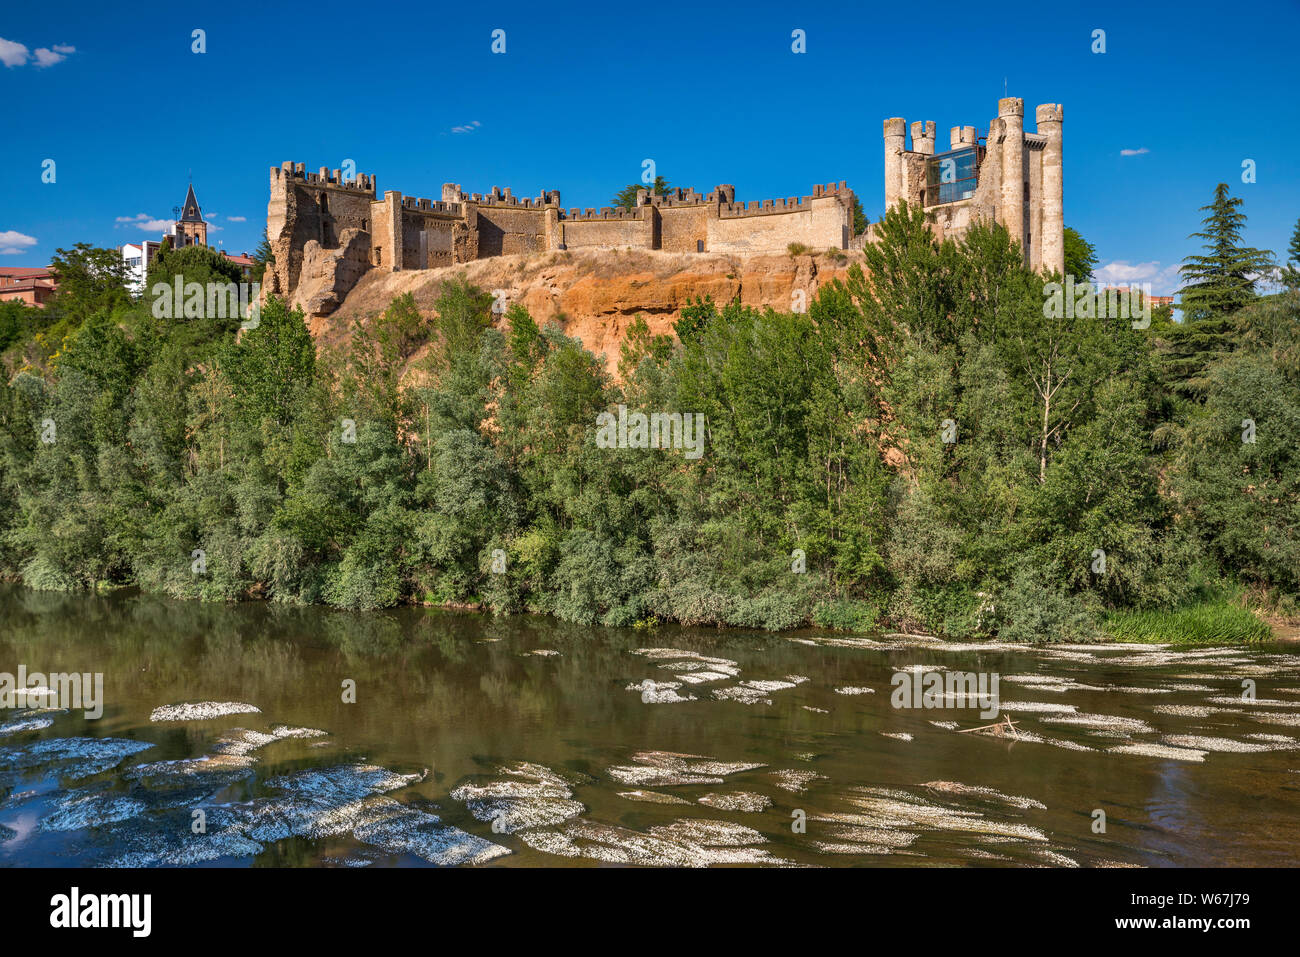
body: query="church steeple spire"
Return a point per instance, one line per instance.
(190, 212)
(190, 228)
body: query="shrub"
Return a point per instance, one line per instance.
(845, 614)
(1037, 613)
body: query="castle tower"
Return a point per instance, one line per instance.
(1011, 207)
(923, 137)
(960, 136)
(1008, 176)
(895, 143)
(1049, 118)
(190, 229)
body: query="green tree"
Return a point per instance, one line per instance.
(625, 198)
(1291, 268)
(1080, 256)
(1223, 279)
(860, 221)
(90, 278)
(1239, 474)
(263, 256)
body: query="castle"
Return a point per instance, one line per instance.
(326, 232)
(1008, 176)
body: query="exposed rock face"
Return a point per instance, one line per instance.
(594, 295)
(327, 274)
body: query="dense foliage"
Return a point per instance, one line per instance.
(925, 447)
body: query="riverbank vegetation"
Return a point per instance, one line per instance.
(927, 446)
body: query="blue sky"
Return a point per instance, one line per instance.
(710, 91)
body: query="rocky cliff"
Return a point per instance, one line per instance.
(594, 295)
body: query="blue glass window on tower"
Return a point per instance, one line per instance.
(951, 176)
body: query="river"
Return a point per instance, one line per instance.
(256, 734)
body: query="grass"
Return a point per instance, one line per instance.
(1208, 622)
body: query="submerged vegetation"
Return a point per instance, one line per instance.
(924, 447)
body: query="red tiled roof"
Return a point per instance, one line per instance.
(25, 284)
(243, 260)
(25, 272)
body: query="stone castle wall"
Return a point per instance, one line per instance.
(325, 232)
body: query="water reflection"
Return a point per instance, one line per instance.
(466, 747)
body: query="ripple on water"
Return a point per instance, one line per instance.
(660, 692)
(747, 802)
(410, 831)
(75, 811)
(25, 722)
(315, 803)
(667, 769)
(793, 779)
(201, 710)
(1151, 750)
(530, 795)
(1107, 722)
(1255, 702)
(73, 758)
(891, 820)
(707, 833)
(673, 846)
(652, 797)
(1202, 743)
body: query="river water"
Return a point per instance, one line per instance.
(417, 737)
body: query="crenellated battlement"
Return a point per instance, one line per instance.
(502, 196)
(791, 204)
(323, 229)
(432, 206)
(325, 177)
(604, 213)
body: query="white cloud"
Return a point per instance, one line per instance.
(16, 54)
(1163, 279)
(1136, 152)
(13, 243)
(132, 219)
(46, 57)
(155, 225)
(236, 219)
(12, 54)
(1124, 272)
(467, 128)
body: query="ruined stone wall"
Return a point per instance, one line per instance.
(306, 207)
(428, 242)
